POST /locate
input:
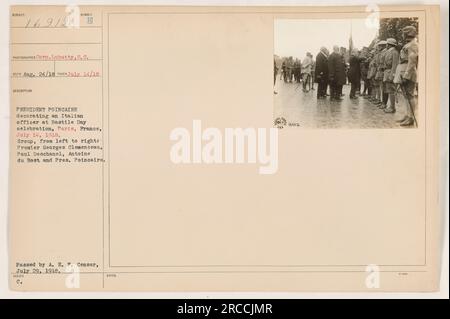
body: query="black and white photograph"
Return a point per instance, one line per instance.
(346, 73)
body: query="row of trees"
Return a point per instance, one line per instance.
(389, 28)
(392, 27)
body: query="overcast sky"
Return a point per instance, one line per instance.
(295, 37)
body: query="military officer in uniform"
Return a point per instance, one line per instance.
(390, 62)
(364, 71)
(381, 101)
(406, 73)
(375, 78)
(371, 74)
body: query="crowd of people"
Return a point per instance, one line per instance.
(377, 73)
(294, 70)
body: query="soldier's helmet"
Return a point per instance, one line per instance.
(409, 31)
(391, 41)
(382, 42)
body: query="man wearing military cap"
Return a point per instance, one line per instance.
(390, 63)
(371, 74)
(365, 59)
(406, 73)
(378, 77)
(380, 74)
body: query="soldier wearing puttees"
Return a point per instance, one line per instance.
(406, 73)
(380, 75)
(390, 63)
(371, 74)
(376, 73)
(289, 70)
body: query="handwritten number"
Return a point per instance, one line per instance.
(37, 24)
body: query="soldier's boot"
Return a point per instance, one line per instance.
(376, 97)
(391, 108)
(373, 95)
(384, 100)
(380, 97)
(409, 121)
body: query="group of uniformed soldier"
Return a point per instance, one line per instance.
(389, 71)
(291, 70)
(295, 70)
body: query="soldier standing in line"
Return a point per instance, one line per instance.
(371, 74)
(364, 72)
(381, 101)
(375, 83)
(406, 73)
(390, 62)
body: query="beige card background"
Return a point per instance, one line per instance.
(341, 199)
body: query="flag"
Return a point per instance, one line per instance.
(350, 41)
(374, 41)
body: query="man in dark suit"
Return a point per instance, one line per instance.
(321, 73)
(337, 76)
(354, 73)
